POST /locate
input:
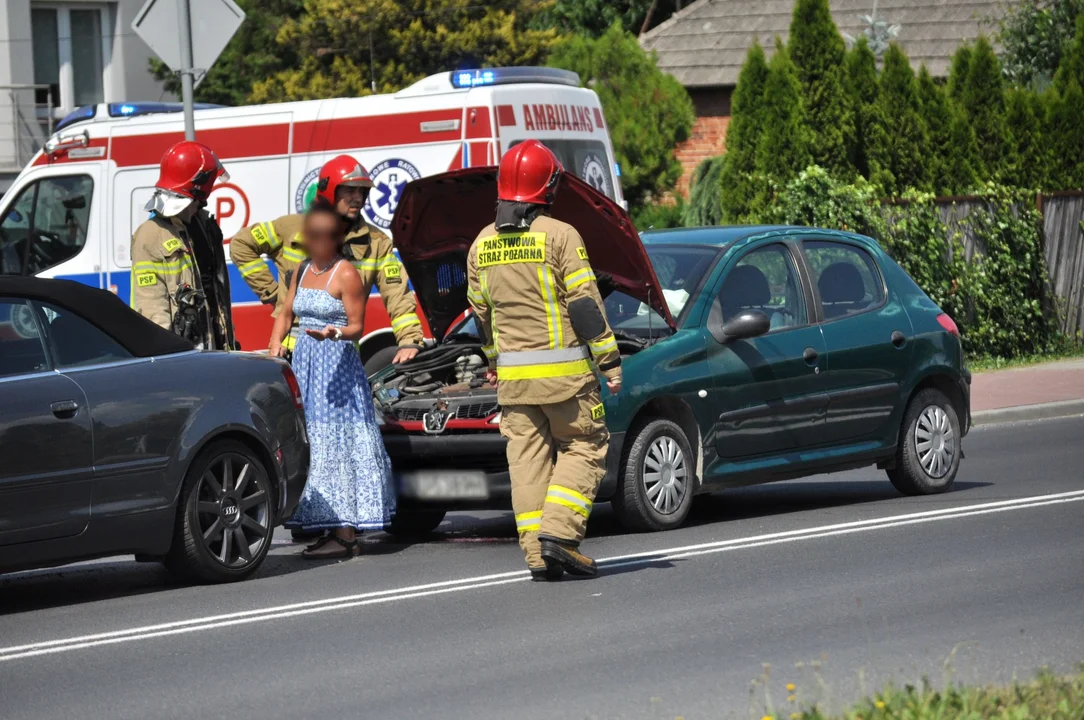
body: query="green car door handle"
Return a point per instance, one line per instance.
(898, 339)
(810, 356)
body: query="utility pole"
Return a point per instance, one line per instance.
(186, 72)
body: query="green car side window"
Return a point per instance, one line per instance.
(765, 279)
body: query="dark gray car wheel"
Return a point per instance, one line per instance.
(928, 455)
(225, 518)
(658, 478)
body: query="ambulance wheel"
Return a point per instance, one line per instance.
(225, 516)
(656, 488)
(413, 523)
(379, 360)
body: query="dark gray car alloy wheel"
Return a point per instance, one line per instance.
(928, 454)
(226, 518)
(657, 479)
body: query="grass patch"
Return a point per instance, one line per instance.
(1048, 697)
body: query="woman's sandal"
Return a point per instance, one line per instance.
(349, 549)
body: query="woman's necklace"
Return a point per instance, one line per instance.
(321, 272)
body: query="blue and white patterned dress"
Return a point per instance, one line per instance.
(350, 481)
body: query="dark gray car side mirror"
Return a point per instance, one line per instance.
(744, 325)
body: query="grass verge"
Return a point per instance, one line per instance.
(985, 364)
(1048, 697)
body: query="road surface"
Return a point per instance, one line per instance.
(835, 584)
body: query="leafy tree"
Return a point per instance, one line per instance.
(705, 202)
(594, 17)
(817, 51)
(984, 102)
(250, 54)
(1024, 120)
(861, 67)
(783, 147)
(743, 135)
(957, 79)
(899, 147)
(409, 38)
(952, 144)
(648, 112)
(1034, 35)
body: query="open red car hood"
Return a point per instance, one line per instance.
(438, 218)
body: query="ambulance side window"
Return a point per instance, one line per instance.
(46, 225)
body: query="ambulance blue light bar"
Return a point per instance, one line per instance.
(513, 75)
(150, 108)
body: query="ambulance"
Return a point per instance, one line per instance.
(72, 211)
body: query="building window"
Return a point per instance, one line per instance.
(71, 53)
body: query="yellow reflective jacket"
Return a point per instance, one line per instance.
(520, 286)
(369, 250)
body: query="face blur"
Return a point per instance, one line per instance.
(323, 234)
(349, 200)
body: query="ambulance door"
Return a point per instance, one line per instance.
(52, 224)
(132, 188)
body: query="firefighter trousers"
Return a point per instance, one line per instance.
(549, 498)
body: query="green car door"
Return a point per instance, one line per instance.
(868, 336)
(768, 393)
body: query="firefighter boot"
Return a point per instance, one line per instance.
(560, 555)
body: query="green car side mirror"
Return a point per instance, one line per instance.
(746, 324)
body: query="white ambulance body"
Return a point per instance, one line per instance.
(72, 211)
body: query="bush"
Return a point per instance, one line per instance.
(705, 201)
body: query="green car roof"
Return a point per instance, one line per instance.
(719, 236)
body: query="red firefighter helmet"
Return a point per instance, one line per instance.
(341, 171)
(529, 173)
(190, 169)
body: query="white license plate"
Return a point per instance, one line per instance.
(446, 485)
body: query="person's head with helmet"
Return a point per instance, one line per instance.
(186, 175)
(526, 184)
(344, 185)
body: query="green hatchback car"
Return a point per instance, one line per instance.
(751, 354)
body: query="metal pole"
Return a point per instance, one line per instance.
(186, 71)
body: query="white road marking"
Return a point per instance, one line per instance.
(147, 632)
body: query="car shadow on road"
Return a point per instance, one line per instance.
(120, 577)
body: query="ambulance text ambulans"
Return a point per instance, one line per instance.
(71, 212)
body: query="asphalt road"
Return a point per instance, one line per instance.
(834, 583)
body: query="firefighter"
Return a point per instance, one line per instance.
(343, 183)
(179, 274)
(537, 303)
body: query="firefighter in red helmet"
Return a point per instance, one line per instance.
(537, 303)
(179, 275)
(344, 184)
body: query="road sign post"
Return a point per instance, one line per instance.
(168, 26)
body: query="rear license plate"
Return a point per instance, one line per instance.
(445, 485)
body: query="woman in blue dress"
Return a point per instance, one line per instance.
(350, 485)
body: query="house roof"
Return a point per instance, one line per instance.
(705, 44)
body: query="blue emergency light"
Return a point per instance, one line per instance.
(464, 79)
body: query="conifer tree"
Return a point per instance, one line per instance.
(742, 136)
(899, 147)
(817, 51)
(983, 100)
(861, 67)
(960, 176)
(1026, 164)
(957, 79)
(1065, 134)
(783, 146)
(1072, 62)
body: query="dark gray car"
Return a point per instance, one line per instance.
(119, 437)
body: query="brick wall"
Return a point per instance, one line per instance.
(708, 139)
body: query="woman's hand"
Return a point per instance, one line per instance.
(325, 334)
